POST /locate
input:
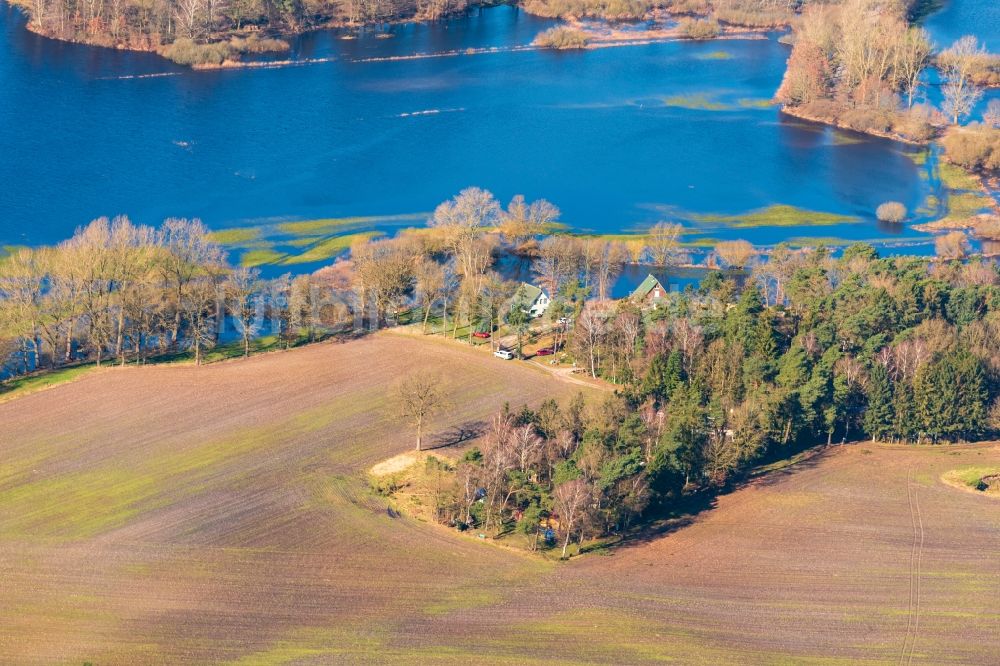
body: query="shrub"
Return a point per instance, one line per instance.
(988, 228)
(868, 120)
(952, 245)
(254, 44)
(973, 147)
(822, 109)
(693, 28)
(891, 211)
(561, 37)
(915, 124)
(608, 9)
(185, 51)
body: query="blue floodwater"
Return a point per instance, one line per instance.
(618, 138)
(957, 18)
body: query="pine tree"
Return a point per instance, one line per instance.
(665, 374)
(878, 417)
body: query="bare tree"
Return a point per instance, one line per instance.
(243, 289)
(522, 221)
(419, 397)
(736, 254)
(960, 92)
(611, 260)
(991, 116)
(953, 245)
(912, 54)
(664, 243)
(430, 283)
(588, 336)
(571, 500)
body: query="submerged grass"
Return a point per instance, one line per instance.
(715, 55)
(235, 236)
(696, 102)
(261, 257)
(329, 225)
(756, 103)
(328, 248)
(778, 215)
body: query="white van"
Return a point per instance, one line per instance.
(505, 354)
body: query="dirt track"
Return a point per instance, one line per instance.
(200, 515)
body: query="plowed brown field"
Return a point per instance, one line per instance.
(217, 514)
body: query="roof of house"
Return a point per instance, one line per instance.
(647, 286)
(527, 294)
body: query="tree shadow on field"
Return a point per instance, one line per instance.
(778, 472)
(460, 434)
(686, 511)
(663, 523)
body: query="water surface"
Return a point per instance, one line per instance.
(618, 138)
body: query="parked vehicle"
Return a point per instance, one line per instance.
(505, 354)
(481, 334)
(545, 351)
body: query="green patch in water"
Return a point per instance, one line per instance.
(756, 103)
(818, 241)
(696, 102)
(329, 248)
(235, 236)
(955, 177)
(261, 257)
(778, 215)
(330, 225)
(715, 55)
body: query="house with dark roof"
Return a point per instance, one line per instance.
(650, 292)
(531, 299)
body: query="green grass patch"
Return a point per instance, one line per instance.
(21, 386)
(818, 241)
(697, 102)
(756, 103)
(715, 55)
(919, 158)
(235, 236)
(77, 504)
(955, 177)
(330, 225)
(261, 256)
(7, 250)
(970, 477)
(840, 138)
(778, 215)
(962, 205)
(329, 248)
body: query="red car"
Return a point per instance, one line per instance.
(481, 334)
(545, 351)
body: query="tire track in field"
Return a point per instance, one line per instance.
(920, 554)
(916, 555)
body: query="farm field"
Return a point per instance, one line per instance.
(177, 514)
